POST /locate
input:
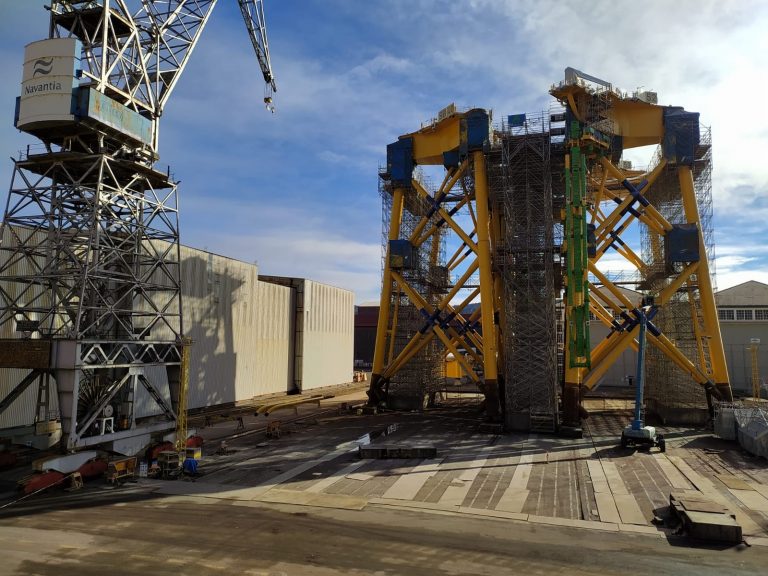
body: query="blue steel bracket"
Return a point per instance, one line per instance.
(401, 254)
(635, 191)
(628, 209)
(446, 323)
(441, 220)
(681, 136)
(400, 163)
(435, 203)
(469, 326)
(474, 131)
(591, 241)
(648, 317)
(681, 244)
(617, 147)
(432, 320)
(616, 327)
(451, 159)
(629, 321)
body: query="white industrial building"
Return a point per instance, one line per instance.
(251, 335)
(743, 314)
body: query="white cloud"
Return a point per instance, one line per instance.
(298, 189)
(614, 262)
(333, 157)
(306, 254)
(290, 240)
(731, 278)
(735, 264)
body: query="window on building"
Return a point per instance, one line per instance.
(761, 313)
(744, 314)
(725, 314)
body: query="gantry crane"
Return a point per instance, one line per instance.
(90, 295)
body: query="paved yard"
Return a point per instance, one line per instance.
(487, 504)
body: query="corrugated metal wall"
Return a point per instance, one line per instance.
(244, 338)
(241, 329)
(736, 340)
(22, 411)
(272, 357)
(329, 332)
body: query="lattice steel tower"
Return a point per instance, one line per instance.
(90, 294)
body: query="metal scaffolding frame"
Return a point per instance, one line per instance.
(90, 293)
(424, 314)
(426, 273)
(670, 390)
(520, 180)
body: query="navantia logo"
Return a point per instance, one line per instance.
(42, 67)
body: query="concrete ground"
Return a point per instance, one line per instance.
(307, 504)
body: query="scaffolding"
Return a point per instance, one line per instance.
(520, 181)
(670, 392)
(426, 274)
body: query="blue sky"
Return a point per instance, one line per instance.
(297, 191)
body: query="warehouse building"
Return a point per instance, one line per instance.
(366, 320)
(743, 313)
(251, 336)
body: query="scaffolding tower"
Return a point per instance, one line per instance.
(670, 202)
(520, 176)
(425, 272)
(671, 393)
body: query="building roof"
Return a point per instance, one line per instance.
(750, 293)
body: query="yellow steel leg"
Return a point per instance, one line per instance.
(487, 300)
(755, 372)
(391, 350)
(602, 365)
(181, 411)
(709, 309)
(417, 299)
(375, 391)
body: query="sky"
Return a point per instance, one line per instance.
(297, 191)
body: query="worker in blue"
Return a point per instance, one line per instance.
(190, 467)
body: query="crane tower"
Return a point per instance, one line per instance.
(90, 291)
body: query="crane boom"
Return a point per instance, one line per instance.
(253, 14)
